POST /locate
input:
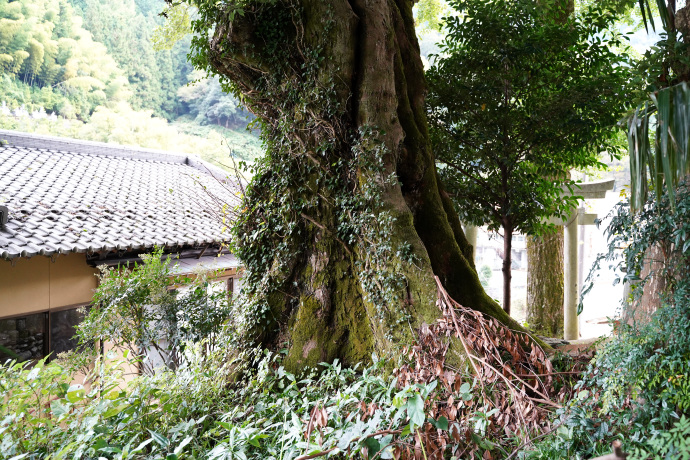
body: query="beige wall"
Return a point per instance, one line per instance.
(39, 284)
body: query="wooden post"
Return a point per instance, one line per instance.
(617, 454)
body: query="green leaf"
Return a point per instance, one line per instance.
(373, 446)
(415, 411)
(182, 445)
(75, 396)
(442, 423)
(142, 445)
(159, 438)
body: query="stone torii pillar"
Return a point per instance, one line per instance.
(571, 291)
(471, 235)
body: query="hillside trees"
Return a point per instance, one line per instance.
(42, 45)
(208, 103)
(517, 99)
(346, 222)
(125, 28)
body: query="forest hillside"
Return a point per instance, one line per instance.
(88, 69)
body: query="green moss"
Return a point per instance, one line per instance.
(332, 322)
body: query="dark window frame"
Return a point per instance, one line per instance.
(47, 331)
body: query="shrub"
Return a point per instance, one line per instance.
(200, 411)
(637, 389)
(143, 311)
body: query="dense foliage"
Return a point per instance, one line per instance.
(637, 388)
(659, 129)
(198, 412)
(209, 103)
(48, 59)
(218, 402)
(125, 28)
(516, 100)
(93, 63)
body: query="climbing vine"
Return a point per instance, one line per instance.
(321, 175)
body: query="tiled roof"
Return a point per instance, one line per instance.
(67, 196)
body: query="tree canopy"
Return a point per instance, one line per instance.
(516, 100)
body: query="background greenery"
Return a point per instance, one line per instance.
(92, 63)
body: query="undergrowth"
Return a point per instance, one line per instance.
(218, 402)
(201, 411)
(637, 388)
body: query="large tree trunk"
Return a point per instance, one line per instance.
(339, 86)
(545, 283)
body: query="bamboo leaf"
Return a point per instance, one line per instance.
(644, 15)
(666, 151)
(663, 13)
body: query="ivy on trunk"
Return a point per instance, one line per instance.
(346, 223)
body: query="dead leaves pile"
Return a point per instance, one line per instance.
(480, 389)
(503, 388)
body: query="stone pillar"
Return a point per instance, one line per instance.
(471, 235)
(570, 272)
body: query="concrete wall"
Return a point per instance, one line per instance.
(39, 284)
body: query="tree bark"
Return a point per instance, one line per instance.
(507, 267)
(545, 283)
(323, 298)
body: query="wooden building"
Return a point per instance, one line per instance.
(68, 206)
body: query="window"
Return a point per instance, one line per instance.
(35, 335)
(24, 337)
(63, 329)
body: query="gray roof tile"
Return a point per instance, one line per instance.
(66, 195)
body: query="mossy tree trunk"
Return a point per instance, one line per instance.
(545, 283)
(346, 222)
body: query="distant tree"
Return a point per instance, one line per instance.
(125, 28)
(210, 104)
(517, 99)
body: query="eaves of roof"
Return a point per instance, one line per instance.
(67, 195)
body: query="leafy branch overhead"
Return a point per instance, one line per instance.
(659, 129)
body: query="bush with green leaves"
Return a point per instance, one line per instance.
(637, 389)
(217, 406)
(48, 415)
(145, 311)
